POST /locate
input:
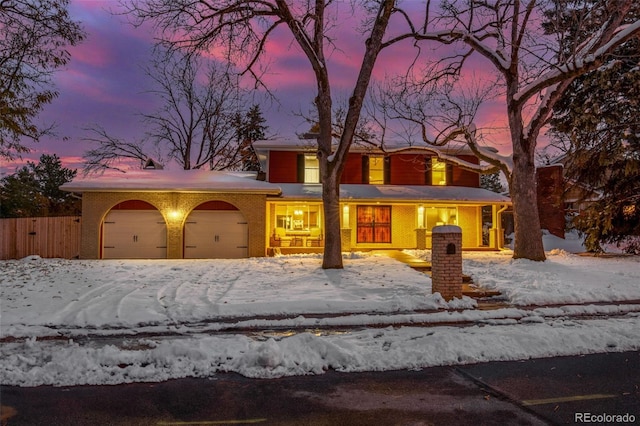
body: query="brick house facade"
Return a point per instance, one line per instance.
(388, 201)
(174, 197)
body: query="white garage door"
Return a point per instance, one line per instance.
(134, 234)
(216, 234)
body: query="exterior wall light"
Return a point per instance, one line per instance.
(345, 216)
(420, 216)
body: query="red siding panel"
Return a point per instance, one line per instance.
(462, 177)
(352, 173)
(405, 169)
(408, 169)
(283, 167)
(133, 205)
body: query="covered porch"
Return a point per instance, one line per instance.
(375, 217)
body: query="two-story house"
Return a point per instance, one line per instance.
(387, 200)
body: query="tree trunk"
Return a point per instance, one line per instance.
(332, 258)
(528, 236)
(330, 172)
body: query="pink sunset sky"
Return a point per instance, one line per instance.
(105, 84)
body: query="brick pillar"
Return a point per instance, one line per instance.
(550, 189)
(446, 261)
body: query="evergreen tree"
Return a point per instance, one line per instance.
(250, 129)
(20, 195)
(34, 190)
(598, 124)
(492, 182)
(36, 36)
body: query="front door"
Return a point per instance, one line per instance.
(374, 224)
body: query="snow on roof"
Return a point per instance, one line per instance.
(173, 180)
(293, 144)
(217, 181)
(397, 193)
(286, 143)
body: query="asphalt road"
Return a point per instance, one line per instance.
(534, 392)
(568, 390)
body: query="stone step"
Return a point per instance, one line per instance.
(477, 292)
(468, 289)
(425, 267)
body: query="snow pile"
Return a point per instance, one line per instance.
(563, 278)
(132, 293)
(47, 363)
(95, 322)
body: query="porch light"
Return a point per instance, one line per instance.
(420, 216)
(345, 216)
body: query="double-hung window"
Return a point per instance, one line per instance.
(308, 168)
(438, 171)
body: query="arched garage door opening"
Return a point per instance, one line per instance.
(134, 229)
(216, 230)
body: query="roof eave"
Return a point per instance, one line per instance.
(184, 190)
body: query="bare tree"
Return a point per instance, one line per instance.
(433, 114)
(196, 125)
(197, 120)
(34, 38)
(529, 45)
(243, 28)
(112, 153)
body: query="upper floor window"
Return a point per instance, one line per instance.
(438, 171)
(375, 169)
(311, 169)
(308, 168)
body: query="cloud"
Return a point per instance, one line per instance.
(105, 84)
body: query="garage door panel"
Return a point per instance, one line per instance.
(134, 234)
(215, 234)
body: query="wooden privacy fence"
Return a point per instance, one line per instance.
(42, 236)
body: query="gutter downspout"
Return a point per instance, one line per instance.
(499, 231)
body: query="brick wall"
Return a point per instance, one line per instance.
(550, 199)
(469, 220)
(96, 205)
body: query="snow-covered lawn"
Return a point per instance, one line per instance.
(66, 322)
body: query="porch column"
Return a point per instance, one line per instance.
(495, 224)
(421, 239)
(345, 237)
